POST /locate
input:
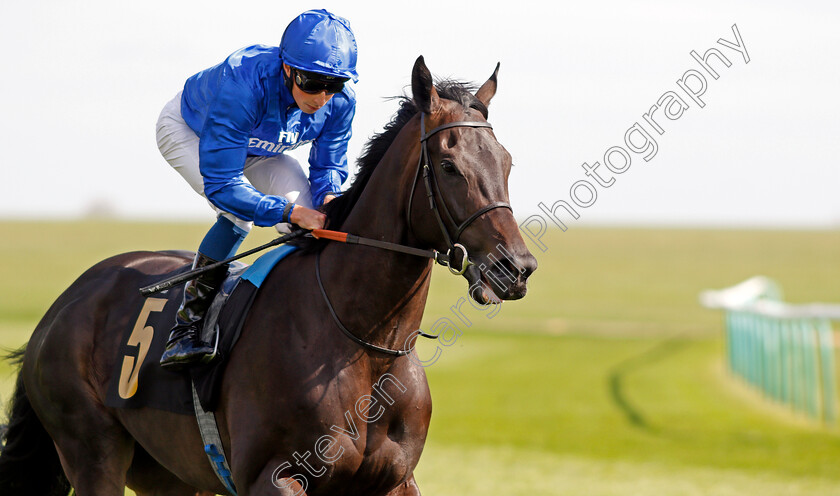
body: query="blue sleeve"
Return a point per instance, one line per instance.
(223, 147)
(328, 156)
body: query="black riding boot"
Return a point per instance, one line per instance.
(185, 346)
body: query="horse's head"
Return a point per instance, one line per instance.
(460, 201)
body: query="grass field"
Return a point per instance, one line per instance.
(607, 379)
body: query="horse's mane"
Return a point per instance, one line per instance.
(338, 209)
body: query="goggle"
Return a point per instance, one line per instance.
(314, 83)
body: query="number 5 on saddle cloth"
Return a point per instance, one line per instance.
(139, 381)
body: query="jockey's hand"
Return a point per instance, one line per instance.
(329, 198)
(308, 218)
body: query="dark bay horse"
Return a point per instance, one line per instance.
(303, 409)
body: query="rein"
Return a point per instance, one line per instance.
(452, 243)
(352, 239)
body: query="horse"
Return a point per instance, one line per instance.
(303, 410)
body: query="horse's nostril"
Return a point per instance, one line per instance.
(530, 265)
(522, 267)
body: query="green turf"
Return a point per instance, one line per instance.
(629, 416)
(607, 379)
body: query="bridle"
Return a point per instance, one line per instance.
(429, 179)
(431, 184)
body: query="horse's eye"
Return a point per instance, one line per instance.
(448, 167)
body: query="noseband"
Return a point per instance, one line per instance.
(432, 186)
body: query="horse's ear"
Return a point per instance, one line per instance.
(422, 88)
(488, 89)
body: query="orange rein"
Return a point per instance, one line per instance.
(330, 235)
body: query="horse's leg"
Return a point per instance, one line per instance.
(62, 380)
(95, 462)
(146, 477)
(407, 488)
(268, 483)
(95, 451)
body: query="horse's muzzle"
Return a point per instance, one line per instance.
(495, 279)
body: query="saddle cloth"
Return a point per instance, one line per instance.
(149, 385)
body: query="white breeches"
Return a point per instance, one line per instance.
(279, 175)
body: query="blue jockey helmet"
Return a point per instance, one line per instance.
(322, 42)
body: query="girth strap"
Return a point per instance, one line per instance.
(212, 440)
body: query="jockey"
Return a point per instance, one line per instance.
(226, 132)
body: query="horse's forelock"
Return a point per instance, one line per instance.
(463, 93)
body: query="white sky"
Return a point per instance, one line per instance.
(84, 81)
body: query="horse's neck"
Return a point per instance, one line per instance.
(383, 292)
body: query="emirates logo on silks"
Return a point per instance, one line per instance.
(285, 141)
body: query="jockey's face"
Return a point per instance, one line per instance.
(308, 103)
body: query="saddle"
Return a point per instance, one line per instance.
(138, 381)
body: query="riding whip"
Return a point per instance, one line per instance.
(192, 274)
